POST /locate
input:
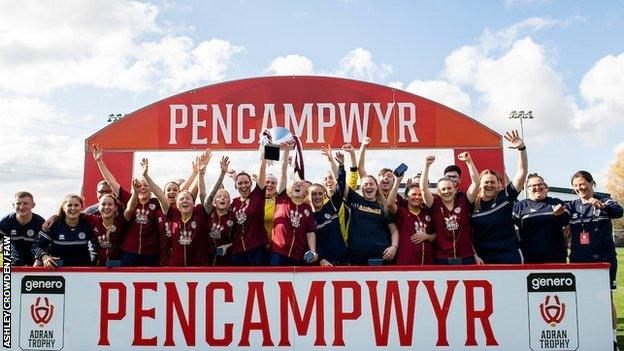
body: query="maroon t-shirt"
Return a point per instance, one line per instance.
(188, 239)
(291, 222)
(249, 232)
(142, 233)
(409, 224)
(452, 228)
(219, 233)
(108, 239)
(164, 238)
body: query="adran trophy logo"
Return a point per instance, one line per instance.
(552, 313)
(41, 313)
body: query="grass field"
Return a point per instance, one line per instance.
(619, 296)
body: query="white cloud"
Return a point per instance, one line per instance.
(47, 45)
(505, 73)
(359, 64)
(291, 65)
(602, 88)
(441, 91)
(42, 151)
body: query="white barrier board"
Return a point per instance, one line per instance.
(530, 307)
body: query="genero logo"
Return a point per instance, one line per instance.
(553, 323)
(42, 319)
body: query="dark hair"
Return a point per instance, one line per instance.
(410, 187)
(585, 175)
(453, 168)
(534, 175)
(241, 174)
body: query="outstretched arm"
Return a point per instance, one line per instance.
(133, 199)
(327, 152)
(202, 163)
(362, 157)
(261, 170)
(424, 182)
(97, 151)
(281, 185)
(348, 148)
(156, 190)
(516, 143)
(225, 162)
(473, 189)
(392, 196)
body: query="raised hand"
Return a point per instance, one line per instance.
(429, 160)
(290, 144)
(366, 141)
(348, 148)
(144, 165)
(96, 150)
(340, 157)
(224, 164)
(231, 173)
(327, 152)
(208, 153)
(201, 162)
(136, 185)
(464, 156)
(514, 140)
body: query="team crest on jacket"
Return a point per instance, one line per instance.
(306, 212)
(152, 207)
(193, 225)
(428, 218)
(30, 232)
(327, 216)
(230, 223)
(457, 210)
(82, 235)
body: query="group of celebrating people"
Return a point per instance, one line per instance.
(328, 223)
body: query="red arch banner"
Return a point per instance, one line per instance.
(321, 110)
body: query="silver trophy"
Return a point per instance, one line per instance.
(272, 138)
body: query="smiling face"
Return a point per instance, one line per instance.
(72, 206)
(243, 185)
(536, 189)
(299, 190)
(185, 202)
(23, 206)
(317, 195)
(489, 185)
(329, 181)
(271, 186)
(369, 188)
(447, 190)
(583, 188)
(414, 197)
(107, 206)
(386, 181)
(172, 189)
(221, 200)
(144, 191)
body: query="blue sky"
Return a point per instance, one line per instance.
(66, 65)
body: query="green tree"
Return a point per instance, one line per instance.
(615, 184)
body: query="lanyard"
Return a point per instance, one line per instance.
(591, 219)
